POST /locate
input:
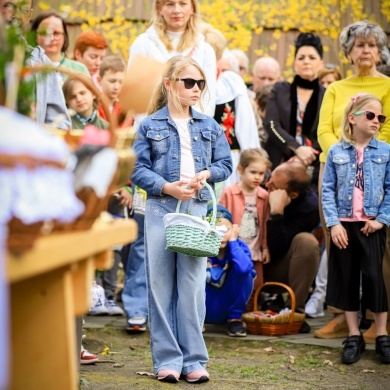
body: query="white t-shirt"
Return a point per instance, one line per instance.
(187, 163)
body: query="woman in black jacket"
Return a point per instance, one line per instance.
(293, 109)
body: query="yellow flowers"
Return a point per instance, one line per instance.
(239, 20)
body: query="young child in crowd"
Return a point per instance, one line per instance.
(111, 75)
(176, 282)
(80, 97)
(248, 203)
(356, 205)
(229, 280)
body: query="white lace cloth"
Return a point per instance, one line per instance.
(44, 193)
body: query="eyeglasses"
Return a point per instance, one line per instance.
(23, 8)
(190, 83)
(55, 34)
(370, 116)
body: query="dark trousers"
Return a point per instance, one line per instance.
(363, 256)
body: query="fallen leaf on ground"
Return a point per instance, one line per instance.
(366, 370)
(326, 352)
(106, 351)
(118, 365)
(269, 349)
(291, 359)
(144, 373)
(328, 362)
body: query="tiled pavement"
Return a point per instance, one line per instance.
(220, 331)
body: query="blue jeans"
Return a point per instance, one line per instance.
(229, 301)
(134, 296)
(176, 293)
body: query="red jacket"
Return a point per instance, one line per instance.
(234, 200)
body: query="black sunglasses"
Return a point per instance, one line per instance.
(190, 83)
(370, 116)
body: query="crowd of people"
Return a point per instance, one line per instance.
(301, 170)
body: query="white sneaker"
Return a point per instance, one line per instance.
(136, 324)
(98, 310)
(113, 308)
(314, 308)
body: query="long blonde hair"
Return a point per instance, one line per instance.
(176, 65)
(190, 36)
(356, 103)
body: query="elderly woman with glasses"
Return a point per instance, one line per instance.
(52, 36)
(365, 46)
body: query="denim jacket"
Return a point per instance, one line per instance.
(339, 182)
(157, 146)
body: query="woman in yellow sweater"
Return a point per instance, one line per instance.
(365, 46)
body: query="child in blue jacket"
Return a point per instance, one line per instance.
(229, 281)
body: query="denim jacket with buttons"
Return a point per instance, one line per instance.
(339, 182)
(157, 146)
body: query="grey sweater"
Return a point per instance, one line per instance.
(50, 101)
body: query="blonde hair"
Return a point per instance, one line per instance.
(176, 65)
(325, 71)
(190, 36)
(356, 103)
(254, 154)
(215, 39)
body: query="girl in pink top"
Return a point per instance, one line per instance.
(248, 203)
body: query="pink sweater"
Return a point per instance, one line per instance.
(234, 200)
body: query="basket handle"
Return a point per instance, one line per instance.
(214, 215)
(289, 290)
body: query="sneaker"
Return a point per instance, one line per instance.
(113, 308)
(314, 308)
(199, 376)
(87, 357)
(382, 347)
(236, 329)
(136, 324)
(305, 328)
(370, 334)
(332, 330)
(98, 310)
(354, 346)
(170, 376)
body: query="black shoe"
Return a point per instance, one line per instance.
(236, 329)
(353, 349)
(305, 328)
(382, 347)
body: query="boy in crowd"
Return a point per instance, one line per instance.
(229, 278)
(111, 75)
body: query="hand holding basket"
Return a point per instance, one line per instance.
(192, 235)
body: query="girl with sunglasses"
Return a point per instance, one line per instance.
(356, 205)
(177, 148)
(365, 46)
(174, 30)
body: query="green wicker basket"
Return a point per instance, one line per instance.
(192, 235)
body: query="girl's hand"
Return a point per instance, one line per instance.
(307, 154)
(235, 232)
(179, 190)
(339, 236)
(195, 183)
(371, 226)
(125, 198)
(265, 256)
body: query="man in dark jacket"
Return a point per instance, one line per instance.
(294, 215)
